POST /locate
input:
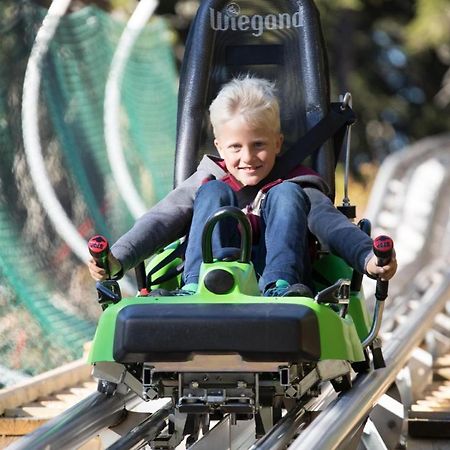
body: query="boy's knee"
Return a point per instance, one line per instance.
(289, 193)
(215, 189)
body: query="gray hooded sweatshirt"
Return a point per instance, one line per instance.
(171, 217)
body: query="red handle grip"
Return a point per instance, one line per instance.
(383, 247)
(99, 248)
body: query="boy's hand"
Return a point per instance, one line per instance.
(98, 273)
(384, 273)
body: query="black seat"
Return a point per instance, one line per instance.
(278, 40)
(258, 332)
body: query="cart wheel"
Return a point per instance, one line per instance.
(342, 383)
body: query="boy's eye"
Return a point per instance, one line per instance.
(259, 144)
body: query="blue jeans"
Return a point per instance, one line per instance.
(282, 251)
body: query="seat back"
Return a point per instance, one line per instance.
(274, 39)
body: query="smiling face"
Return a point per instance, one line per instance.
(249, 151)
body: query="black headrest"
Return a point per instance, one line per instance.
(278, 40)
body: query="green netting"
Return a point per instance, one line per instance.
(74, 81)
(23, 345)
(31, 288)
(49, 287)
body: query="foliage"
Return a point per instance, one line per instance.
(430, 27)
(393, 60)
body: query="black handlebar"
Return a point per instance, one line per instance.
(383, 247)
(99, 249)
(246, 233)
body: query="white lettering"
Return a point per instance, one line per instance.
(297, 19)
(216, 20)
(233, 23)
(243, 23)
(270, 22)
(285, 20)
(257, 23)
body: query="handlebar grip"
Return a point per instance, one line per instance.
(383, 247)
(99, 249)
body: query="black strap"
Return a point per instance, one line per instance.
(178, 252)
(336, 120)
(171, 273)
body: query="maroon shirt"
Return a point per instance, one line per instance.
(236, 186)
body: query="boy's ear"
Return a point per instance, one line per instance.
(280, 143)
(216, 143)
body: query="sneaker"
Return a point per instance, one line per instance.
(283, 289)
(187, 289)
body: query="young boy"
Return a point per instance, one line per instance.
(245, 118)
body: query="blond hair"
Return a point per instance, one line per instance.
(252, 98)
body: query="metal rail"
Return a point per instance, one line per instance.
(350, 409)
(78, 424)
(279, 436)
(406, 208)
(146, 431)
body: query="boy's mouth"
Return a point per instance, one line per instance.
(250, 169)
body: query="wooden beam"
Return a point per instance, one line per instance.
(19, 426)
(44, 384)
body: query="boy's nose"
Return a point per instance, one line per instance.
(246, 154)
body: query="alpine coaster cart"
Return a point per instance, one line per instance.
(226, 350)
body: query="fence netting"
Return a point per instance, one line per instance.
(48, 307)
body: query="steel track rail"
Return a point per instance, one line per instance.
(349, 410)
(280, 435)
(146, 431)
(412, 213)
(78, 424)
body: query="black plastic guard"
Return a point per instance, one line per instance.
(258, 332)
